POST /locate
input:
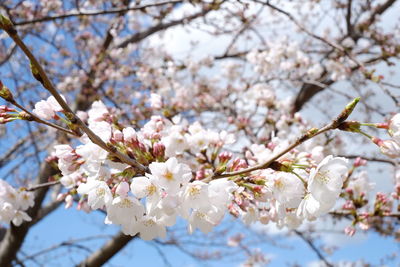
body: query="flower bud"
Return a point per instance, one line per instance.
(348, 205)
(5, 93)
(36, 74)
(239, 164)
(158, 150)
(360, 162)
(6, 25)
(122, 189)
(200, 174)
(350, 230)
(4, 108)
(69, 200)
(348, 110)
(118, 136)
(224, 157)
(364, 226)
(60, 197)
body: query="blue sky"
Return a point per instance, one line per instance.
(70, 224)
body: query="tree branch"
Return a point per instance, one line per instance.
(313, 247)
(96, 13)
(108, 250)
(137, 37)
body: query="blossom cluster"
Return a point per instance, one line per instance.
(288, 57)
(184, 161)
(14, 203)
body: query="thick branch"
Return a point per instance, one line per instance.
(109, 249)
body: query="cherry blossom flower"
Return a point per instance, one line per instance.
(390, 148)
(327, 179)
(99, 194)
(324, 186)
(286, 188)
(46, 109)
(124, 211)
(170, 175)
(150, 228)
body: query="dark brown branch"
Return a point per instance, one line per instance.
(369, 159)
(137, 37)
(308, 90)
(348, 215)
(96, 13)
(106, 252)
(349, 25)
(380, 9)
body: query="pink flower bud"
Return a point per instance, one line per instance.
(225, 156)
(4, 108)
(159, 150)
(200, 174)
(383, 125)
(349, 191)
(233, 210)
(118, 136)
(122, 189)
(348, 205)
(239, 164)
(350, 230)
(360, 162)
(271, 146)
(235, 240)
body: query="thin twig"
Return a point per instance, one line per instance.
(95, 13)
(313, 247)
(48, 184)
